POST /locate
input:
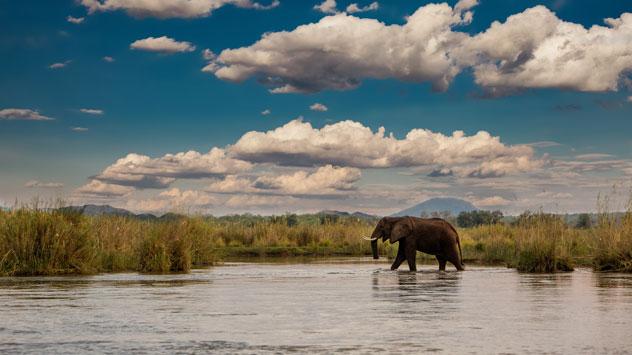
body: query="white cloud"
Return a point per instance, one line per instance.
(327, 7)
(244, 202)
(92, 111)
(96, 188)
(232, 184)
(340, 50)
(493, 201)
(325, 180)
(318, 107)
(464, 5)
(162, 44)
(43, 185)
(22, 114)
(554, 195)
(108, 59)
(531, 49)
(174, 199)
(629, 99)
(208, 54)
(59, 65)
(75, 20)
(79, 129)
(353, 8)
(170, 8)
(141, 171)
(266, 112)
(535, 49)
(349, 143)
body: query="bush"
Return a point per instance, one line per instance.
(34, 242)
(542, 244)
(614, 239)
(478, 218)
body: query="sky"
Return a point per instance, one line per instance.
(233, 106)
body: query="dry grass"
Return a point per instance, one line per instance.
(543, 244)
(39, 242)
(613, 249)
(49, 242)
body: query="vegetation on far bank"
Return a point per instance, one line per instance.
(61, 241)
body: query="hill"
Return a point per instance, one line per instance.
(454, 205)
(97, 210)
(357, 214)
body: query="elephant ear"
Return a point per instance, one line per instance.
(401, 229)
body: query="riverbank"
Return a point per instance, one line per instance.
(38, 242)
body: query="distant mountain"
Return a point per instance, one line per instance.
(97, 210)
(360, 215)
(454, 205)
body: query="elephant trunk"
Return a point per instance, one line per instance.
(374, 249)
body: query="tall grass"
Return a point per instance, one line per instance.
(48, 242)
(34, 242)
(537, 242)
(613, 250)
(37, 242)
(543, 244)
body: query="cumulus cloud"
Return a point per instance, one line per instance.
(330, 7)
(318, 107)
(99, 189)
(174, 199)
(531, 49)
(349, 143)
(171, 8)
(325, 180)
(492, 201)
(327, 7)
(59, 65)
(108, 59)
(75, 20)
(340, 50)
(554, 195)
(535, 49)
(79, 129)
(141, 171)
(266, 112)
(353, 8)
(162, 44)
(22, 114)
(43, 185)
(91, 111)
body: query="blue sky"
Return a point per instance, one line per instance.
(155, 103)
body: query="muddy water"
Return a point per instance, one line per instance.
(319, 307)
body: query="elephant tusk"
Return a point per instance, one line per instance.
(370, 239)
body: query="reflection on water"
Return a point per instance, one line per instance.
(319, 308)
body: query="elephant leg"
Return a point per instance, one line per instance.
(455, 259)
(399, 258)
(442, 261)
(411, 255)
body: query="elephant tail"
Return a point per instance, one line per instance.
(458, 242)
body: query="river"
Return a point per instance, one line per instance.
(337, 305)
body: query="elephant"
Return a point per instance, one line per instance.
(433, 236)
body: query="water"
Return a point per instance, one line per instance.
(322, 307)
